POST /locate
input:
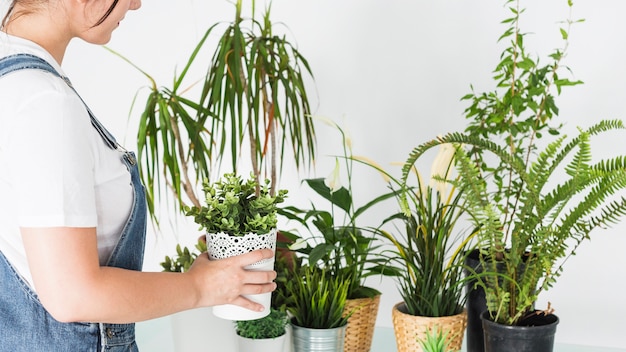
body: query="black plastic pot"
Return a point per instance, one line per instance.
(476, 304)
(535, 334)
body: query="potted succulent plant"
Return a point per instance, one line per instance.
(239, 216)
(427, 255)
(533, 203)
(335, 240)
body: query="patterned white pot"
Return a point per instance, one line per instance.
(220, 246)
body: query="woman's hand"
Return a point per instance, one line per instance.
(225, 281)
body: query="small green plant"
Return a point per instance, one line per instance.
(236, 207)
(183, 259)
(271, 326)
(316, 298)
(435, 340)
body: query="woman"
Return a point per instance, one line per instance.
(72, 209)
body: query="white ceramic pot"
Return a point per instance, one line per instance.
(220, 246)
(262, 345)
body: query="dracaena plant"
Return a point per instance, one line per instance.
(335, 238)
(251, 100)
(533, 203)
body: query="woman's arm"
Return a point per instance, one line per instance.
(73, 287)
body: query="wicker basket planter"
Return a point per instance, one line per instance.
(409, 329)
(361, 324)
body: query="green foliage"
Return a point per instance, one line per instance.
(533, 204)
(521, 108)
(428, 251)
(271, 326)
(237, 207)
(316, 298)
(253, 91)
(183, 259)
(549, 221)
(435, 341)
(335, 241)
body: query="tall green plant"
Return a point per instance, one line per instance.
(252, 94)
(550, 219)
(429, 248)
(533, 203)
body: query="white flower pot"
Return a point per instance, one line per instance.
(220, 246)
(261, 345)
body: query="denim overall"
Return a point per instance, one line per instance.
(24, 324)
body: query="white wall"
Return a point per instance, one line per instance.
(392, 72)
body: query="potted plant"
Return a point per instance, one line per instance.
(336, 241)
(533, 204)
(239, 216)
(427, 255)
(267, 334)
(252, 100)
(316, 303)
(436, 340)
(271, 329)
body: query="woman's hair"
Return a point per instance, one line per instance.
(9, 12)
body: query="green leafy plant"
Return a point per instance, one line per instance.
(316, 298)
(335, 240)
(252, 98)
(428, 251)
(533, 203)
(184, 257)
(435, 340)
(237, 207)
(271, 326)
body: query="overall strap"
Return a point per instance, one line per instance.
(27, 61)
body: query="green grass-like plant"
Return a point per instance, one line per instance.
(316, 298)
(428, 247)
(435, 340)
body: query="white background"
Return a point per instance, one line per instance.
(392, 73)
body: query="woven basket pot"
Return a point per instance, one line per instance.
(361, 323)
(410, 329)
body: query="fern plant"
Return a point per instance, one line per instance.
(546, 220)
(533, 203)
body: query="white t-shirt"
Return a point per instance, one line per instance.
(55, 169)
